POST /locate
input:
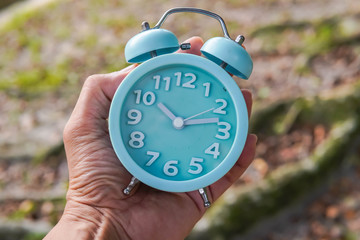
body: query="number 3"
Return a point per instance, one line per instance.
(225, 130)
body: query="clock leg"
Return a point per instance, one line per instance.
(131, 185)
(205, 198)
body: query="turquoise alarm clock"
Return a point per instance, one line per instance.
(178, 122)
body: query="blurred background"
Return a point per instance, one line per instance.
(304, 181)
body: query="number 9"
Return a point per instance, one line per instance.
(135, 116)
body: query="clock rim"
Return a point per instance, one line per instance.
(240, 134)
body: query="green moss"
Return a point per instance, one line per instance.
(264, 120)
(120, 23)
(29, 79)
(302, 65)
(89, 41)
(100, 3)
(34, 236)
(349, 235)
(29, 16)
(280, 28)
(274, 35)
(36, 80)
(114, 59)
(332, 111)
(239, 4)
(62, 32)
(44, 156)
(116, 66)
(278, 118)
(264, 92)
(26, 208)
(289, 118)
(17, 21)
(320, 40)
(313, 37)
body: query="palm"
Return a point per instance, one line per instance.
(100, 179)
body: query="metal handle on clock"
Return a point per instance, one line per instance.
(194, 10)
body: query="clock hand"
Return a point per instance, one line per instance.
(166, 111)
(178, 122)
(199, 114)
(201, 121)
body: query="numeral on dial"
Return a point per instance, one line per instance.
(136, 139)
(155, 155)
(167, 83)
(157, 79)
(148, 98)
(178, 78)
(207, 88)
(213, 150)
(225, 131)
(135, 116)
(220, 110)
(195, 163)
(170, 169)
(189, 83)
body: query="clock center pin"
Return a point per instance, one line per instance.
(178, 123)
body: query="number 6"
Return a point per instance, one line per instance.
(170, 169)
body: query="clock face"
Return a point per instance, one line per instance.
(178, 122)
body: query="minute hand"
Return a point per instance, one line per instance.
(201, 121)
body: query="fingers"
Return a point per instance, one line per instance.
(248, 100)
(246, 157)
(196, 44)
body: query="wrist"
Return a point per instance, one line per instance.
(81, 221)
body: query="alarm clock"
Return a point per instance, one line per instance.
(178, 122)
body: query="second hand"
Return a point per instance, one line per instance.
(199, 114)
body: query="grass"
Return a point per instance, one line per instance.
(34, 236)
(43, 50)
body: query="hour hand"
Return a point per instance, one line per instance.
(166, 111)
(201, 121)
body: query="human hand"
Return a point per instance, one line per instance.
(96, 206)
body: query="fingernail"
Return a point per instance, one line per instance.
(123, 71)
(254, 137)
(128, 68)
